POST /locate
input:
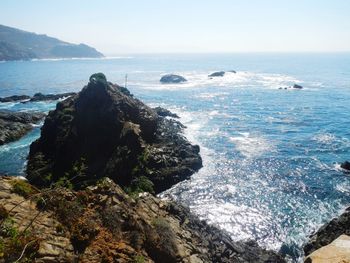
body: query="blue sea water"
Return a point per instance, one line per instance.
(271, 157)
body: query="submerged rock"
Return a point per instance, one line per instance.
(217, 74)
(172, 78)
(103, 224)
(329, 232)
(15, 98)
(110, 133)
(14, 125)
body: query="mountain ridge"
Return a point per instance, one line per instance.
(17, 44)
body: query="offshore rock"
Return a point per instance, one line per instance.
(172, 78)
(103, 224)
(105, 131)
(217, 74)
(15, 98)
(14, 125)
(43, 97)
(165, 113)
(345, 165)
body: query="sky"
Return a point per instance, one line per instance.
(194, 26)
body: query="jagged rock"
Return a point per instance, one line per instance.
(14, 98)
(14, 125)
(329, 232)
(172, 78)
(165, 113)
(346, 166)
(42, 97)
(296, 86)
(115, 135)
(217, 74)
(103, 224)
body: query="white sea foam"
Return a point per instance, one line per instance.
(251, 146)
(241, 79)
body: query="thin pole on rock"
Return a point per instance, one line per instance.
(126, 81)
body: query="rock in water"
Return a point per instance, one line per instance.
(14, 125)
(296, 86)
(345, 165)
(165, 113)
(43, 97)
(171, 78)
(15, 98)
(217, 74)
(110, 133)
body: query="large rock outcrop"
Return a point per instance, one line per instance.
(172, 78)
(103, 224)
(105, 131)
(14, 125)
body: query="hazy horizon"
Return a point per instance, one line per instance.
(134, 27)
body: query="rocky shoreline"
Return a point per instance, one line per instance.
(14, 125)
(99, 153)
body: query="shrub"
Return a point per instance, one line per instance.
(21, 187)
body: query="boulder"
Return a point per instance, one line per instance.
(171, 78)
(217, 74)
(109, 132)
(15, 98)
(345, 165)
(14, 125)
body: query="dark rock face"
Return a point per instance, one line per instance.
(14, 98)
(171, 78)
(14, 125)
(345, 165)
(329, 232)
(43, 97)
(296, 86)
(114, 135)
(217, 74)
(165, 113)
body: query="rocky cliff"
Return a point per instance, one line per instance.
(103, 224)
(106, 132)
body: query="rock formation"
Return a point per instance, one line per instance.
(43, 97)
(345, 165)
(108, 132)
(14, 125)
(217, 74)
(103, 224)
(15, 98)
(171, 78)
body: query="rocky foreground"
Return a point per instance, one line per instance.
(103, 224)
(14, 125)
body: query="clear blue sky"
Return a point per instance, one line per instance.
(130, 26)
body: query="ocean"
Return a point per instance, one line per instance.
(271, 156)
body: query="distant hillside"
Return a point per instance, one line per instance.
(17, 44)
